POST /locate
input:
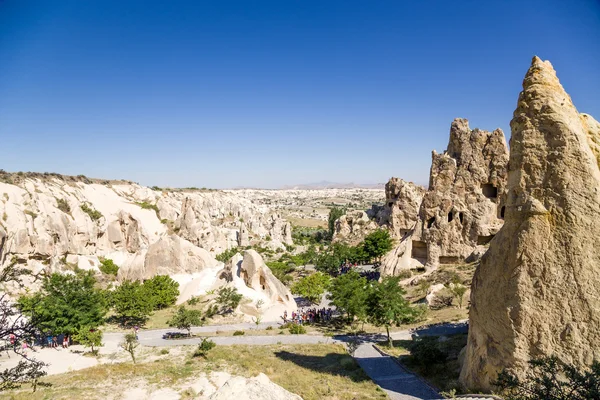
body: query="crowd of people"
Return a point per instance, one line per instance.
(371, 275)
(309, 316)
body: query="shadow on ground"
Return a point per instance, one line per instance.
(332, 363)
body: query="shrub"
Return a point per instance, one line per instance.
(404, 274)
(442, 299)
(297, 329)
(164, 351)
(551, 379)
(94, 214)
(228, 299)
(63, 205)
(227, 254)
(108, 267)
(192, 301)
(204, 347)
(239, 333)
(425, 352)
(89, 337)
(185, 319)
(269, 328)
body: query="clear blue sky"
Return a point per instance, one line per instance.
(267, 93)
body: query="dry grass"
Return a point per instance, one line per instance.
(312, 371)
(307, 222)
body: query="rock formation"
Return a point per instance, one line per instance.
(463, 207)
(536, 290)
(398, 214)
(258, 388)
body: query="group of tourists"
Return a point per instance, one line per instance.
(52, 341)
(309, 316)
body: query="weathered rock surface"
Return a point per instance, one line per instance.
(536, 290)
(258, 388)
(401, 210)
(463, 207)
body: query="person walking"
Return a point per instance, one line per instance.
(65, 343)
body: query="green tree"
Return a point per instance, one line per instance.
(129, 344)
(162, 291)
(66, 303)
(130, 303)
(108, 267)
(551, 379)
(387, 305)
(228, 299)
(185, 319)
(89, 337)
(334, 214)
(227, 254)
(312, 287)
(328, 262)
(377, 243)
(349, 293)
(458, 290)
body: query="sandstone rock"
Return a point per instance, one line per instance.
(536, 290)
(353, 227)
(257, 388)
(463, 207)
(401, 209)
(243, 239)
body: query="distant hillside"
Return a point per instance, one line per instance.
(335, 185)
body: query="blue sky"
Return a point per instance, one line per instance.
(268, 93)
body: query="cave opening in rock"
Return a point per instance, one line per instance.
(502, 210)
(450, 216)
(419, 250)
(461, 217)
(390, 204)
(481, 240)
(490, 191)
(430, 222)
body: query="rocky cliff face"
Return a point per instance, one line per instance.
(536, 290)
(461, 210)
(50, 220)
(399, 214)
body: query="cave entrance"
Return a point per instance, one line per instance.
(481, 240)
(490, 191)
(502, 211)
(450, 216)
(419, 250)
(461, 217)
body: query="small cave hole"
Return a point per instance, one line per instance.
(450, 216)
(490, 191)
(390, 204)
(461, 217)
(502, 211)
(430, 222)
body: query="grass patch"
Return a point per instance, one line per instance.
(314, 372)
(94, 214)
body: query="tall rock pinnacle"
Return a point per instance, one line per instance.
(537, 290)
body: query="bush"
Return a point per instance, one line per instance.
(551, 379)
(239, 333)
(192, 301)
(161, 291)
(204, 347)
(269, 328)
(425, 352)
(227, 254)
(164, 351)
(185, 319)
(108, 267)
(404, 274)
(63, 205)
(442, 299)
(89, 337)
(148, 206)
(312, 287)
(297, 329)
(228, 299)
(95, 215)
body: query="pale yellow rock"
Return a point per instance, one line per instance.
(536, 290)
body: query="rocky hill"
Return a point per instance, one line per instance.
(536, 290)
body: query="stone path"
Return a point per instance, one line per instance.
(397, 382)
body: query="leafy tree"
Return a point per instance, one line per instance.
(312, 287)
(281, 270)
(551, 379)
(162, 291)
(228, 299)
(185, 319)
(387, 305)
(328, 262)
(13, 322)
(89, 337)
(108, 267)
(130, 303)
(349, 293)
(377, 243)
(130, 344)
(334, 214)
(458, 290)
(66, 303)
